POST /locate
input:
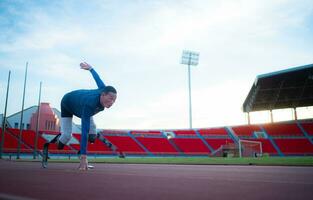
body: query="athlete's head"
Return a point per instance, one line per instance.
(108, 96)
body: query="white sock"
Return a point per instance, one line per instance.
(66, 129)
(93, 127)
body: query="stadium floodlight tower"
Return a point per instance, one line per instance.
(190, 58)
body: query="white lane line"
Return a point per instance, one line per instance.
(4, 196)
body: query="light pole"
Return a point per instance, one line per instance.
(37, 123)
(21, 121)
(190, 58)
(4, 117)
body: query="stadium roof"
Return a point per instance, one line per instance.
(288, 88)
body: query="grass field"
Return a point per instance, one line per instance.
(294, 161)
(282, 161)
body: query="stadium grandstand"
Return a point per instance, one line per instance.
(291, 88)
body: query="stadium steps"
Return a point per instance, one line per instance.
(215, 152)
(141, 145)
(246, 131)
(176, 147)
(157, 145)
(10, 142)
(304, 132)
(8, 131)
(280, 153)
(191, 146)
(232, 134)
(125, 144)
(203, 140)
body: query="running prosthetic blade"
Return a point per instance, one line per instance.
(45, 152)
(44, 162)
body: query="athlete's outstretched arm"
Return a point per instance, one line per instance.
(95, 75)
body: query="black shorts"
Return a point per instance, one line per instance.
(65, 111)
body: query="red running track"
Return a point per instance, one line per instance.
(27, 180)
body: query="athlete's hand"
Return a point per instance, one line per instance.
(85, 66)
(83, 163)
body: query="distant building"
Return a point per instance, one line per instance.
(49, 119)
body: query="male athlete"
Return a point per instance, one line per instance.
(84, 104)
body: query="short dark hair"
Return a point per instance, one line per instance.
(108, 89)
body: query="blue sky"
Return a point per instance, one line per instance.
(136, 46)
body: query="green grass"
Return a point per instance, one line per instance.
(290, 161)
(285, 161)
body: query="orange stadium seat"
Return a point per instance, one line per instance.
(157, 145)
(185, 132)
(152, 133)
(308, 127)
(291, 146)
(11, 144)
(125, 144)
(290, 129)
(29, 138)
(213, 132)
(217, 143)
(247, 130)
(191, 145)
(287, 138)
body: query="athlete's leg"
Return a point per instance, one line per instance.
(66, 131)
(92, 131)
(66, 124)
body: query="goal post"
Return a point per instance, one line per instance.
(249, 148)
